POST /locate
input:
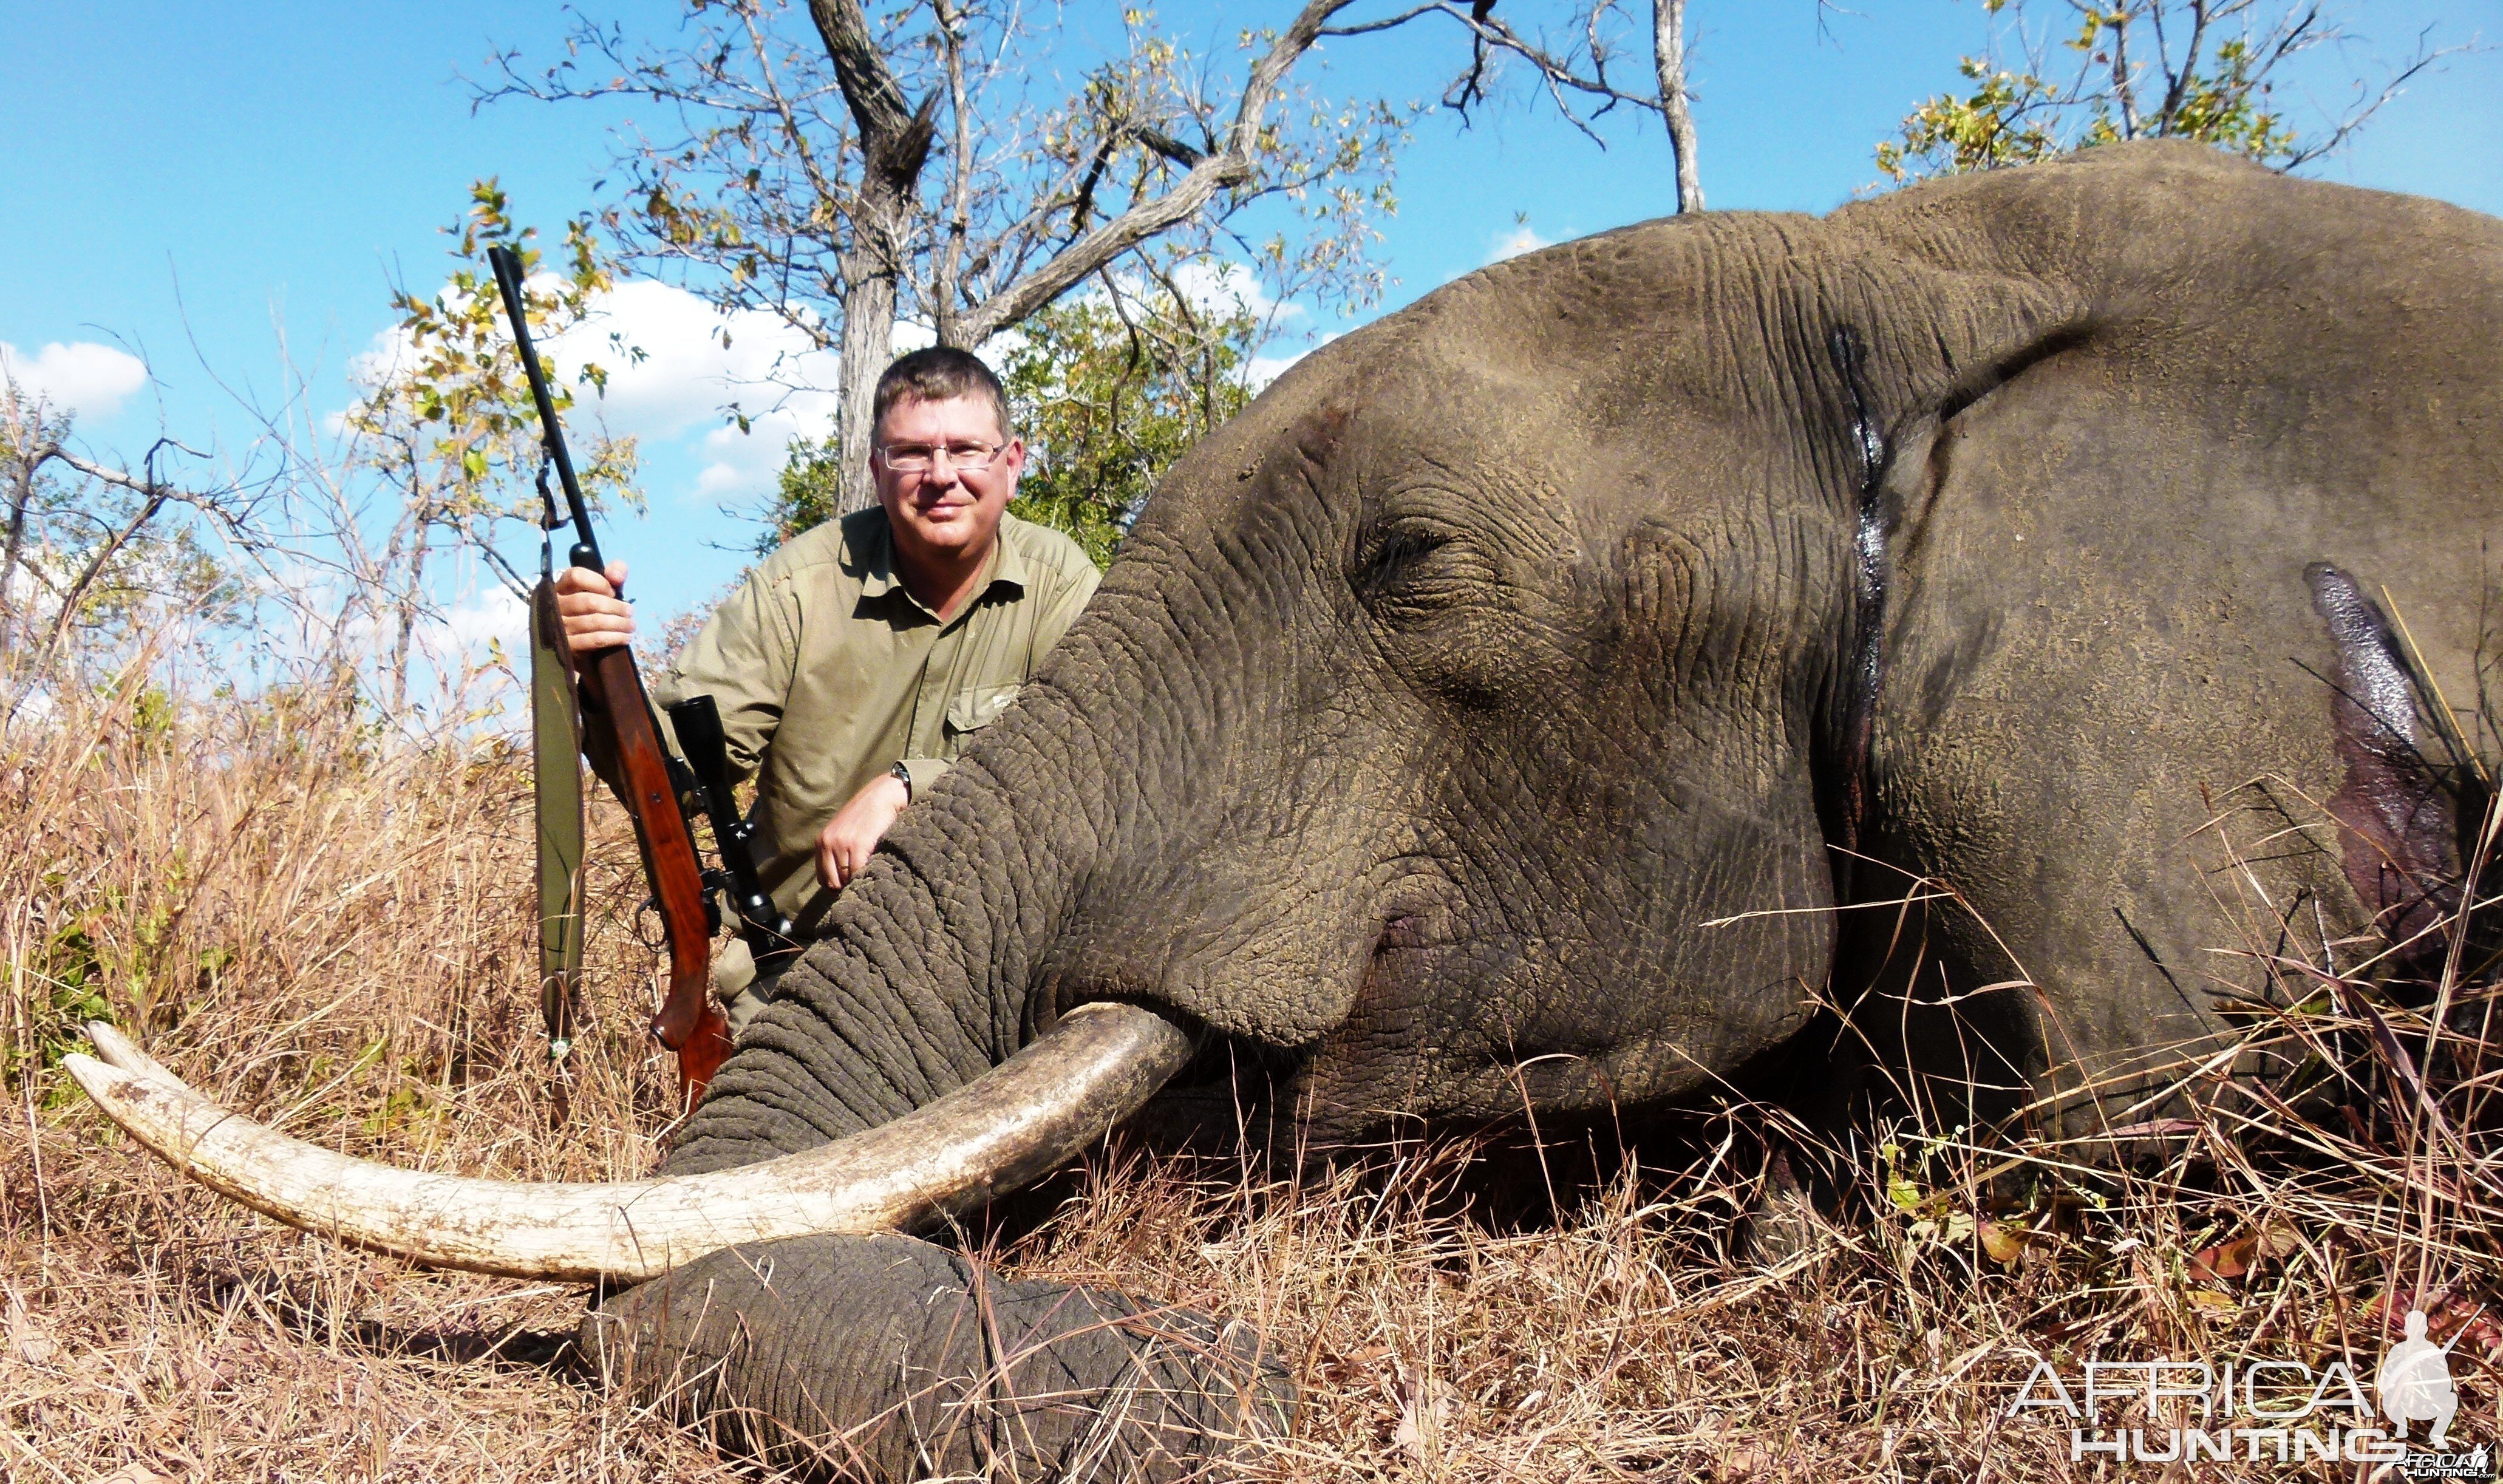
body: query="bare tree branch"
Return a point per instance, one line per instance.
(156, 496)
(1668, 49)
(96, 564)
(1567, 75)
(2330, 143)
(1230, 166)
(1167, 146)
(119, 479)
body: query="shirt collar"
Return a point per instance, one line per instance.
(874, 554)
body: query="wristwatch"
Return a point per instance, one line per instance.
(903, 775)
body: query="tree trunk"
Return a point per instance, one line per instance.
(1668, 51)
(408, 602)
(2121, 88)
(895, 144)
(869, 342)
(20, 495)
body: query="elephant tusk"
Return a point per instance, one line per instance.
(1004, 1128)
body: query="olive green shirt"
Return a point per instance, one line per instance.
(827, 671)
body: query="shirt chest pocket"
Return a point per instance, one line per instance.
(971, 710)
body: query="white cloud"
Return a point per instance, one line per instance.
(82, 378)
(698, 362)
(494, 615)
(740, 464)
(1227, 287)
(1212, 287)
(695, 362)
(1523, 238)
(1219, 288)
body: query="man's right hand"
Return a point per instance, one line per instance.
(845, 843)
(593, 609)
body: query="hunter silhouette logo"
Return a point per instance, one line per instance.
(2415, 1386)
(2415, 1382)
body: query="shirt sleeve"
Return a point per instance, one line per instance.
(1065, 608)
(925, 772)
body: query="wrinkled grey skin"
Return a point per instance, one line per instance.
(1442, 696)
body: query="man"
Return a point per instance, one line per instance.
(854, 662)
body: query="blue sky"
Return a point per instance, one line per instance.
(188, 184)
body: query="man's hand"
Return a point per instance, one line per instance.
(843, 847)
(593, 609)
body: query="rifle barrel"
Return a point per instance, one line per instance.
(507, 264)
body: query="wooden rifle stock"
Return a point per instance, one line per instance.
(688, 1023)
(616, 711)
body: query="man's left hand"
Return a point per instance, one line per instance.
(845, 846)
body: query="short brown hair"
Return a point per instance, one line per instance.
(942, 374)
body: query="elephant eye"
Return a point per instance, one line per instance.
(1411, 566)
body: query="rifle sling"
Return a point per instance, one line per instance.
(556, 772)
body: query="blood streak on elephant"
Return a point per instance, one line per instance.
(1726, 569)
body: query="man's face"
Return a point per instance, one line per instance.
(944, 510)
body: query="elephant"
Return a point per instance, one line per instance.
(1583, 690)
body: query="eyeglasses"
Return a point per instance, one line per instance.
(916, 458)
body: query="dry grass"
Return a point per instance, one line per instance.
(329, 930)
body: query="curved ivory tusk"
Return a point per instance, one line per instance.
(118, 1050)
(1004, 1128)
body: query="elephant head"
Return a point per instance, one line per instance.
(1523, 702)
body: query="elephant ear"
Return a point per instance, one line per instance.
(2398, 810)
(1897, 463)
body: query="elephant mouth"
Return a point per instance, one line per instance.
(1004, 1129)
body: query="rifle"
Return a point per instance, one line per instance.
(616, 709)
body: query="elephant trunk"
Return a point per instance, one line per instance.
(880, 1356)
(884, 1357)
